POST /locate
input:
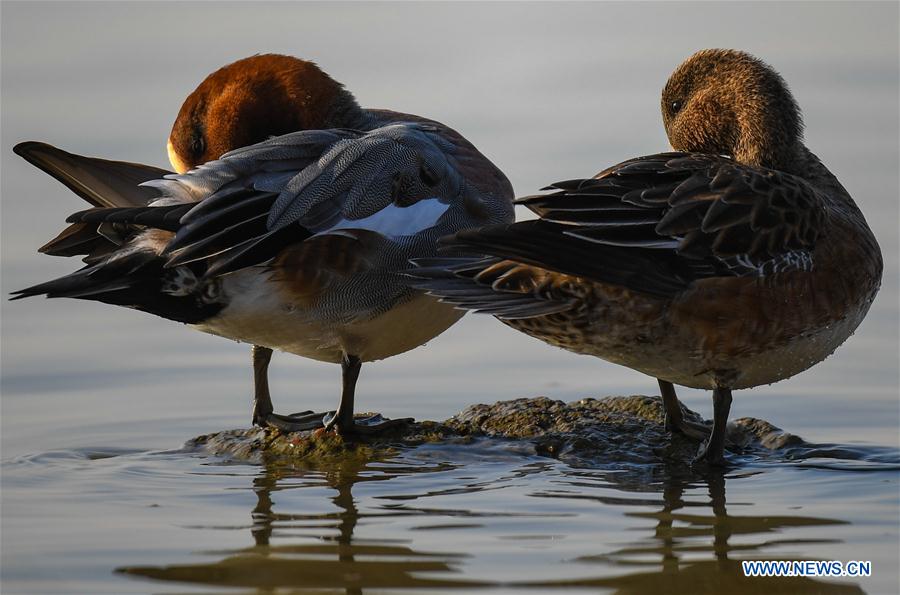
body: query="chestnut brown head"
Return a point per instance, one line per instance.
(727, 102)
(253, 99)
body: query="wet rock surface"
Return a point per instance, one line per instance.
(612, 431)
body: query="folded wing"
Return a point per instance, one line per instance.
(396, 181)
(372, 189)
(653, 224)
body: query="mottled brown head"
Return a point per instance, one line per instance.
(727, 102)
(252, 99)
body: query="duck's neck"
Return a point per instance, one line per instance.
(794, 159)
(346, 113)
(769, 133)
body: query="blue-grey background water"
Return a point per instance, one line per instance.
(97, 401)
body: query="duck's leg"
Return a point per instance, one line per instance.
(263, 412)
(713, 450)
(262, 400)
(675, 421)
(343, 417)
(343, 420)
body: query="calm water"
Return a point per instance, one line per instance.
(98, 495)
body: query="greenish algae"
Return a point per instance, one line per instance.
(609, 431)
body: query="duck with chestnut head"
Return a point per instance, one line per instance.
(292, 212)
(735, 261)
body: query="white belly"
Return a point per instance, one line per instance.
(256, 314)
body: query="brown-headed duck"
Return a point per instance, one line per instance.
(736, 261)
(292, 212)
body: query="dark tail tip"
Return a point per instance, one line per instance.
(26, 148)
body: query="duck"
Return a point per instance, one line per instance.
(736, 260)
(286, 225)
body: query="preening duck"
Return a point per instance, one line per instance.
(736, 261)
(292, 242)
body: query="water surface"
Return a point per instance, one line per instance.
(98, 495)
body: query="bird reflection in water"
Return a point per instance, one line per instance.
(677, 556)
(690, 548)
(337, 560)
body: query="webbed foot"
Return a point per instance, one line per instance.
(693, 430)
(712, 452)
(364, 426)
(296, 422)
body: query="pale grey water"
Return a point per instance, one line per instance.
(549, 92)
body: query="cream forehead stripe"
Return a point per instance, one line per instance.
(174, 159)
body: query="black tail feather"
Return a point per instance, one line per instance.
(544, 244)
(165, 217)
(105, 184)
(136, 280)
(101, 182)
(256, 250)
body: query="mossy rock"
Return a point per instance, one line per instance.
(612, 431)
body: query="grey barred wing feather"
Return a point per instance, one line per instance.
(315, 205)
(396, 181)
(398, 165)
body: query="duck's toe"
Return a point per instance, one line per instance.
(713, 456)
(693, 430)
(297, 422)
(365, 426)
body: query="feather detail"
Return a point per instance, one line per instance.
(653, 224)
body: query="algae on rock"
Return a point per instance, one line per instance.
(611, 431)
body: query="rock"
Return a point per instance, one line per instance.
(617, 432)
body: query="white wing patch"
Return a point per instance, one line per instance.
(395, 222)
